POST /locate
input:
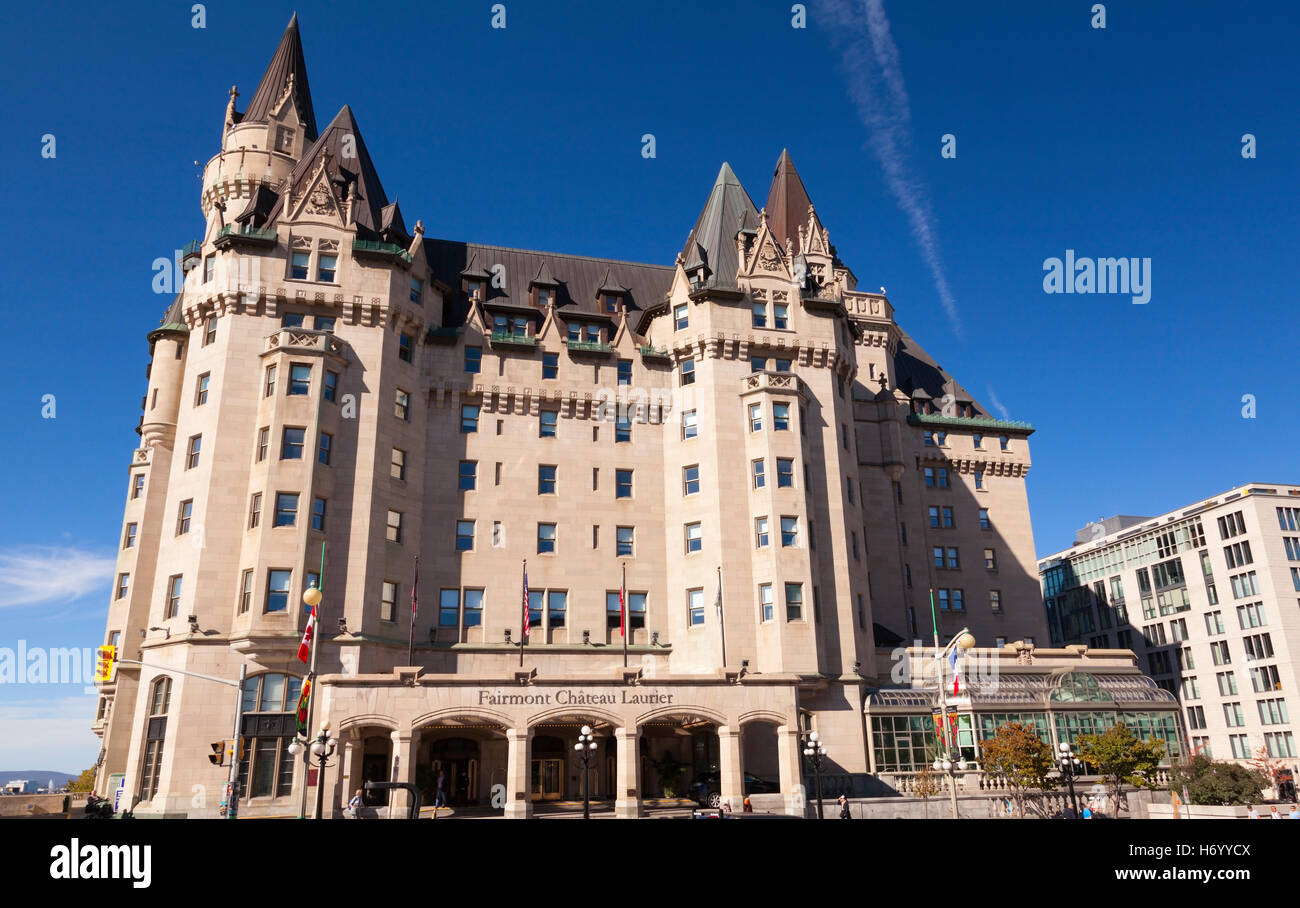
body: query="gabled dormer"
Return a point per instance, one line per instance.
(543, 287)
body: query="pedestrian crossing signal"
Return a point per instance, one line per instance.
(104, 664)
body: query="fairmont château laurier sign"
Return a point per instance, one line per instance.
(570, 697)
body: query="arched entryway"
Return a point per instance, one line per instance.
(463, 755)
(556, 770)
(680, 756)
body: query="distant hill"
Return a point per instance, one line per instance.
(41, 777)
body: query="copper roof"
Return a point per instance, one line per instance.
(288, 60)
(728, 211)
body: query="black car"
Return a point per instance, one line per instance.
(707, 789)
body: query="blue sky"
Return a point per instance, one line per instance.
(1123, 141)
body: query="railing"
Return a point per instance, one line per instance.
(191, 250)
(505, 337)
(647, 350)
(304, 338)
(377, 248)
(246, 232)
(756, 380)
(589, 347)
(970, 422)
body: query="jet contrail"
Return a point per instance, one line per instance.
(877, 90)
(997, 404)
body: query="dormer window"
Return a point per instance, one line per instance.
(611, 302)
(417, 291)
(579, 332)
(545, 296)
(474, 288)
(505, 325)
(284, 139)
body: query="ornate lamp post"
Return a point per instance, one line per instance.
(322, 748)
(1070, 766)
(953, 759)
(816, 754)
(586, 748)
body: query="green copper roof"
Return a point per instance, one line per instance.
(976, 422)
(173, 321)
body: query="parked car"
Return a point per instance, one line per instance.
(707, 789)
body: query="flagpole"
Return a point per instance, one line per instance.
(311, 681)
(623, 613)
(722, 629)
(410, 644)
(523, 619)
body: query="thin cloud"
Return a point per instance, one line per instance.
(875, 78)
(997, 404)
(32, 574)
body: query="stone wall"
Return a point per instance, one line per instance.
(40, 805)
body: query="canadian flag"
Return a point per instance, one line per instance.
(304, 648)
(956, 672)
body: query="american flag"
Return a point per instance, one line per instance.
(525, 631)
(622, 608)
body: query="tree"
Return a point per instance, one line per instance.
(1017, 754)
(926, 786)
(1266, 765)
(1216, 782)
(83, 782)
(1120, 756)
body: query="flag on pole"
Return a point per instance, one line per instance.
(302, 708)
(956, 672)
(717, 600)
(304, 648)
(622, 606)
(525, 630)
(415, 590)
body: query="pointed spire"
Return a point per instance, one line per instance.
(787, 203)
(543, 277)
(288, 67)
(728, 211)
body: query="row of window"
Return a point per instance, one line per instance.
(949, 558)
(941, 516)
(936, 438)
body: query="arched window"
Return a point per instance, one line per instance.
(1080, 687)
(160, 695)
(269, 726)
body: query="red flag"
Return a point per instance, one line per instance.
(622, 608)
(304, 648)
(415, 588)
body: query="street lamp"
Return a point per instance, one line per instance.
(586, 748)
(953, 759)
(816, 753)
(322, 747)
(1070, 766)
(312, 596)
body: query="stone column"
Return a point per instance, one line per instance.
(405, 744)
(731, 780)
(627, 787)
(519, 804)
(788, 758)
(349, 757)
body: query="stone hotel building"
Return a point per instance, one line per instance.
(779, 470)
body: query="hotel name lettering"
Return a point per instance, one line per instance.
(570, 697)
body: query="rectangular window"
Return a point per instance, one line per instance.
(298, 266)
(784, 473)
(1233, 715)
(783, 365)
(757, 364)
(547, 420)
(468, 473)
(760, 315)
(793, 601)
(694, 538)
(331, 386)
(269, 387)
(1219, 652)
(394, 530)
(173, 596)
(209, 268)
(128, 537)
(695, 607)
(545, 537)
(990, 560)
(286, 509)
(625, 371)
(687, 372)
(954, 562)
(123, 580)
(326, 266)
(535, 609)
(192, 454)
(183, 516)
(755, 417)
(757, 470)
(464, 535)
(623, 429)
(691, 480)
(780, 417)
(789, 531)
(299, 379)
(405, 347)
(765, 601)
(1005, 443)
(934, 517)
(625, 538)
(402, 405)
(388, 601)
(1251, 615)
(1288, 519)
(546, 479)
(291, 443)
(979, 479)
(622, 483)
(326, 445)
(318, 514)
(473, 608)
(1227, 683)
(137, 485)
(760, 532)
(557, 604)
(201, 389)
(680, 319)
(984, 519)
(255, 511)
(448, 608)
(246, 592)
(292, 320)
(995, 600)
(690, 427)
(473, 360)
(780, 316)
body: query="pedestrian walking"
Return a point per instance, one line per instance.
(440, 792)
(1252, 813)
(1295, 812)
(354, 806)
(845, 814)
(1273, 814)
(748, 807)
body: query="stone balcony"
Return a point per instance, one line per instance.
(772, 381)
(304, 340)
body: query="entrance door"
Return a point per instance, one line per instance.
(374, 768)
(548, 779)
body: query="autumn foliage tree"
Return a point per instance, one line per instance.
(83, 782)
(1018, 755)
(1120, 756)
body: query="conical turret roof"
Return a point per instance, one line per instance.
(787, 202)
(288, 60)
(728, 211)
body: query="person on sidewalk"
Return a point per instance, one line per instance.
(354, 806)
(845, 813)
(440, 792)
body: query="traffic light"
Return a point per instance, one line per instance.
(218, 755)
(104, 664)
(243, 748)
